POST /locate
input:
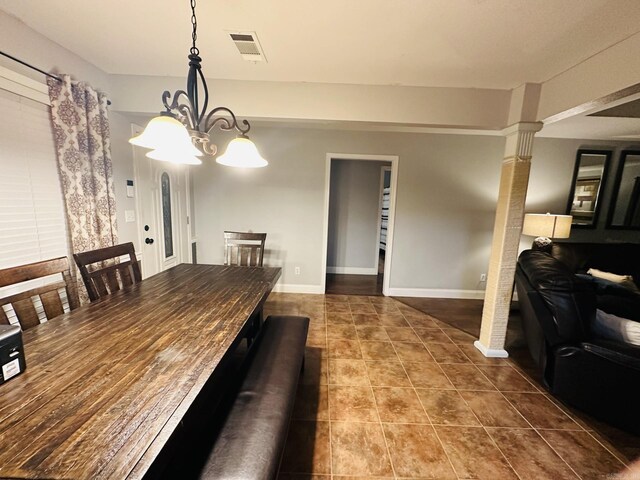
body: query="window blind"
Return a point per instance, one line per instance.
(32, 219)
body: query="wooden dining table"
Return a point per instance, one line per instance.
(107, 384)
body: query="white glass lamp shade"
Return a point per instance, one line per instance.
(241, 152)
(166, 133)
(174, 156)
(547, 225)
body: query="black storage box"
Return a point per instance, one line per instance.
(11, 352)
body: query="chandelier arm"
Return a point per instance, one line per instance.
(211, 121)
(205, 103)
(185, 109)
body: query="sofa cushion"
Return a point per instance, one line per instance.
(607, 325)
(622, 258)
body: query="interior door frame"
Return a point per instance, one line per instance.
(395, 160)
(181, 245)
(383, 169)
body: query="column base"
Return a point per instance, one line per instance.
(490, 352)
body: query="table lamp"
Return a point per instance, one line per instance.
(545, 227)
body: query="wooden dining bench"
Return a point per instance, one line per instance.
(247, 439)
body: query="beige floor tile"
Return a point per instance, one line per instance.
(583, 453)
(386, 308)
(358, 299)
(529, 455)
(315, 366)
(478, 358)
(350, 403)
(412, 352)
(307, 449)
(338, 308)
(365, 308)
(333, 298)
(312, 403)
(348, 372)
(393, 320)
(344, 332)
(402, 334)
(416, 452)
(339, 318)
(447, 353)
(493, 410)
(359, 449)
(366, 319)
(378, 351)
(473, 454)
(466, 377)
(385, 373)
(302, 476)
(399, 405)
(426, 375)
(446, 407)
(348, 349)
(507, 379)
(432, 335)
(540, 411)
(459, 337)
(421, 322)
(373, 333)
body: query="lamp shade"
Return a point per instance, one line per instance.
(166, 133)
(547, 225)
(241, 152)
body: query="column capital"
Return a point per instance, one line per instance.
(519, 136)
(522, 127)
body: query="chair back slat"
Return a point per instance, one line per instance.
(52, 304)
(26, 313)
(109, 275)
(23, 304)
(244, 249)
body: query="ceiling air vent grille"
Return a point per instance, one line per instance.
(248, 45)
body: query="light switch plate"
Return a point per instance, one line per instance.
(129, 216)
(130, 190)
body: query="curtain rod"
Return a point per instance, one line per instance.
(35, 68)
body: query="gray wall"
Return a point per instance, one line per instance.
(446, 197)
(354, 206)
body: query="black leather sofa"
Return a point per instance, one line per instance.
(558, 307)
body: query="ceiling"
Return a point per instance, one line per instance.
(455, 43)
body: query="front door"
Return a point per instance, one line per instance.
(161, 189)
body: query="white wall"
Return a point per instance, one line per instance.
(354, 208)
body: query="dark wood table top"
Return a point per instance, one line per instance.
(106, 384)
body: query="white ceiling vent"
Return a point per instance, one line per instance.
(248, 45)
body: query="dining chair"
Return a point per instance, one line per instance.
(110, 275)
(244, 249)
(24, 304)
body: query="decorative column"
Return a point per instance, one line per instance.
(514, 180)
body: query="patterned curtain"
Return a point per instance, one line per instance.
(81, 130)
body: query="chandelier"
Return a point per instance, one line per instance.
(181, 134)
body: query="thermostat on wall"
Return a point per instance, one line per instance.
(130, 188)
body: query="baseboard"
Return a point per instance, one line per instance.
(293, 288)
(435, 293)
(352, 270)
(491, 352)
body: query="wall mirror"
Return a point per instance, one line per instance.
(589, 176)
(625, 211)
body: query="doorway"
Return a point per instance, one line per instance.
(359, 223)
(161, 190)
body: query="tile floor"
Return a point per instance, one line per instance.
(390, 392)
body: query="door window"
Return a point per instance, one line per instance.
(166, 215)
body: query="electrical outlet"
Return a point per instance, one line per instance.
(297, 270)
(483, 277)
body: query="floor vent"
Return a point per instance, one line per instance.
(248, 45)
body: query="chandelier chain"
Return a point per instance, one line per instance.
(194, 23)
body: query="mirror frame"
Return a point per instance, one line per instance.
(605, 172)
(616, 191)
